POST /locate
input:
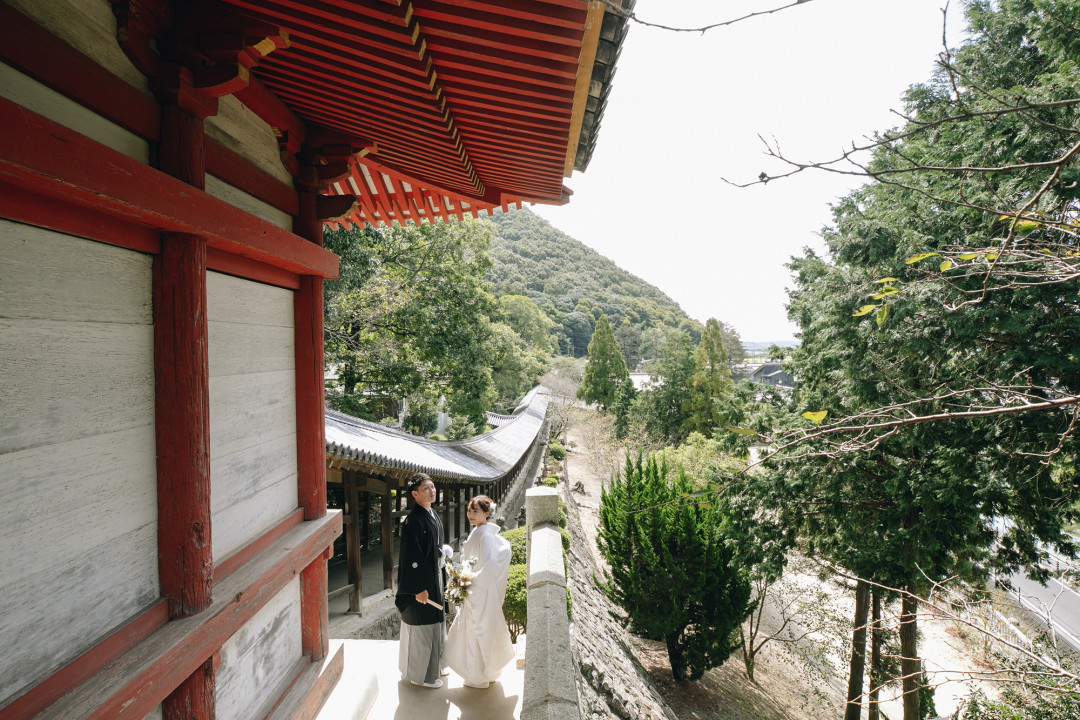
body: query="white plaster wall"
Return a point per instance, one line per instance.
(257, 662)
(90, 27)
(78, 531)
(252, 409)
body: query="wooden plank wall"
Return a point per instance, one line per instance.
(253, 472)
(259, 660)
(78, 535)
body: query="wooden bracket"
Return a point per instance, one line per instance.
(335, 207)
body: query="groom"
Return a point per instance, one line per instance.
(420, 588)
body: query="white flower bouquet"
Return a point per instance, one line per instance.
(459, 578)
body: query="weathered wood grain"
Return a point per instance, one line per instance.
(235, 300)
(258, 660)
(252, 409)
(247, 508)
(63, 381)
(245, 133)
(51, 276)
(89, 27)
(246, 410)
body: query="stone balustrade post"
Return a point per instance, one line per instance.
(550, 675)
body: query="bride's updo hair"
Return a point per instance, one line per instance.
(482, 503)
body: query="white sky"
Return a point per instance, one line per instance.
(685, 111)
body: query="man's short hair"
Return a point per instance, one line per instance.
(416, 480)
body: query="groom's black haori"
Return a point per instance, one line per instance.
(418, 565)
(420, 571)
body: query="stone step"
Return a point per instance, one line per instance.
(356, 691)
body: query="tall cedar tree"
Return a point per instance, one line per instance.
(665, 407)
(605, 369)
(711, 380)
(671, 569)
(957, 497)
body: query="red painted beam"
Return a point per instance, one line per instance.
(23, 206)
(38, 53)
(52, 160)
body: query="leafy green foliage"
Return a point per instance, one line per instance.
(410, 313)
(664, 409)
(516, 538)
(605, 369)
(411, 316)
(557, 450)
(670, 567)
(516, 603)
(966, 319)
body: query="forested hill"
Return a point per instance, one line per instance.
(574, 284)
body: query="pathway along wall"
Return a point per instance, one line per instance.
(611, 682)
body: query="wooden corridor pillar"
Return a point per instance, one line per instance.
(387, 538)
(353, 542)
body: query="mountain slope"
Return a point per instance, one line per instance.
(574, 284)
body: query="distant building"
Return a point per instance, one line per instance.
(772, 373)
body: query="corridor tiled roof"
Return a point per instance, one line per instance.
(481, 459)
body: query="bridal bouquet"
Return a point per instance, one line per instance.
(459, 578)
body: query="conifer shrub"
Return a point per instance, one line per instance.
(556, 450)
(671, 568)
(515, 605)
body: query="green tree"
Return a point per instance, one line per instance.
(528, 321)
(710, 382)
(410, 314)
(624, 404)
(954, 386)
(605, 369)
(629, 339)
(671, 569)
(665, 407)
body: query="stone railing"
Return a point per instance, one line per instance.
(550, 676)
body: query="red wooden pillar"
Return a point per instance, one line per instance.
(353, 542)
(182, 389)
(310, 420)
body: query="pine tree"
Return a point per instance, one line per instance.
(605, 369)
(671, 569)
(711, 380)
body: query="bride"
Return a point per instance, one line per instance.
(478, 646)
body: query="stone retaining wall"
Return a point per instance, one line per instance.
(611, 682)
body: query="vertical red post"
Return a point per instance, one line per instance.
(310, 419)
(182, 389)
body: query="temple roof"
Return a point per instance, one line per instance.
(481, 459)
(461, 106)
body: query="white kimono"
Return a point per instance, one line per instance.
(478, 646)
